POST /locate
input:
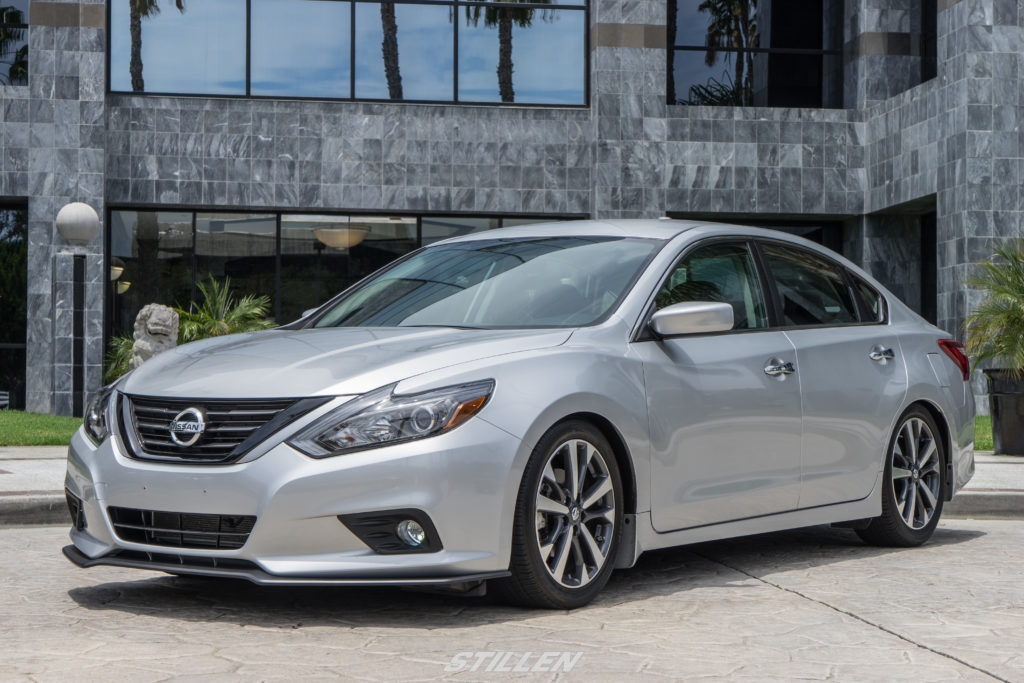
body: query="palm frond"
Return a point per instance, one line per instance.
(995, 326)
(119, 356)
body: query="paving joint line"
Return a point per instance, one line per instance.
(855, 616)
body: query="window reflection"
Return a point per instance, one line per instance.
(507, 55)
(305, 48)
(404, 52)
(757, 53)
(323, 255)
(13, 304)
(239, 246)
(156, 251)
(169, 46)
(13, 42)
(300, 48)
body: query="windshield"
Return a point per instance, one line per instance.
(525, 282)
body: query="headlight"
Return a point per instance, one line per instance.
(381, 418)
(95, 421)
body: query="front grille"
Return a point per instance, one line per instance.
(231, 427)
(184, 561)
(181, 529)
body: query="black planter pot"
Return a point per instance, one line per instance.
(1006, 403)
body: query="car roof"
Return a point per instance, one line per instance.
(651, 228)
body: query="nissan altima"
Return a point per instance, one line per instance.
(528, 409)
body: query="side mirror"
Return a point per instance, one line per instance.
(692, 317)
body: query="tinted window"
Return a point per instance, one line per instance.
(812, 290)
(718, 272)
(873, 302)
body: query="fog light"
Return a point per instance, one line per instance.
(411, 533)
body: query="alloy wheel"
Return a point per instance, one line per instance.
(916, 478)
(575, 506)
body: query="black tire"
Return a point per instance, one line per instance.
(892, 528)
(532, 582)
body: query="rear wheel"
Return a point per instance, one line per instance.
(567, 521)
(914, 487)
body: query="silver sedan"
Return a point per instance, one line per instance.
(528, 409)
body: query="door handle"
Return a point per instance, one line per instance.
(777, 367)
(881, 353)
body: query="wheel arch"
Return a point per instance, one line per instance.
(619, 449)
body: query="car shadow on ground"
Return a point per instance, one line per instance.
(662, 572)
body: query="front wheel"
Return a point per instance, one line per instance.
(914, 487)
(567, 521)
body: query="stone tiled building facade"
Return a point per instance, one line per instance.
(920, 177)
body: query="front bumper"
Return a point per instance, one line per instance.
(464, 481)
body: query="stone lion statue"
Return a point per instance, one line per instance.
(156, 330)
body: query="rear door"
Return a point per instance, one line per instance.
(852, 376)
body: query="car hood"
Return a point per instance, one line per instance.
(324, 362)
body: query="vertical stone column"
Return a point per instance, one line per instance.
(882, 49)
(628, 99)
(67, 133)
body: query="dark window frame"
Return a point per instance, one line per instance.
(673, 48)
(456, 7)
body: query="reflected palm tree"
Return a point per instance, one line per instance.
(389, 48)
(17, 71)
(504, 18)
(137, 11)
(732, 24)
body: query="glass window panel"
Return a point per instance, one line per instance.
(13, 11)
(155, 249)
(238, 246)
(421, 64)
(873, 300)
(316, 264)
(547, 58)
(200, 50)
(729, 81)
(437, 228)
(300, 48)
(13, 55)
(719, 23)
(13, 292)
(723, 273)
(812, 290)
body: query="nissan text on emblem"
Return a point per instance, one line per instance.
(187, 427)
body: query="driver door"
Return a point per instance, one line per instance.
(725, 434)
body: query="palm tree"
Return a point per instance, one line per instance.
(137, 11)
(390, 50)
(504, 18)
(995, 327)
(732, 25)
(220, 314)
(17, 72)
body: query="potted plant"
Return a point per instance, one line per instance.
(995, 334)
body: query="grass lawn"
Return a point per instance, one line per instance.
(33, 429)
(983, 433)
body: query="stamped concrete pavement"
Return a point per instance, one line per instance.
(813, 603)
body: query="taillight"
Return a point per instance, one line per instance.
(955, 351)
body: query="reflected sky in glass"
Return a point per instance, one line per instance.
(692, 23)
(547, 59)
(20, 5)
(425, 42)
(200, 50)
(300, 48)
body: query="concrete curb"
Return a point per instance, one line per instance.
(28, 510)
(52, 509)
(986, 505)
